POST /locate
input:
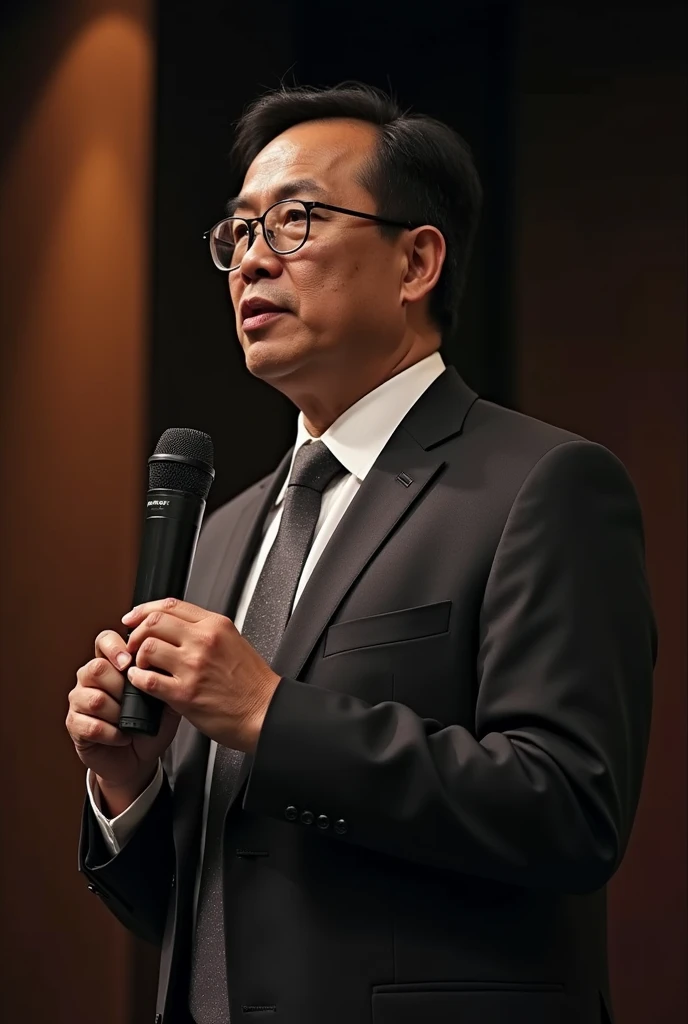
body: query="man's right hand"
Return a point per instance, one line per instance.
(124, 765)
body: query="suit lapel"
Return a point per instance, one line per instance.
(402, 473)
(243, 543)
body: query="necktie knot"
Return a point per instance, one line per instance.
(314, 466)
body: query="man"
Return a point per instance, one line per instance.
(408, 697)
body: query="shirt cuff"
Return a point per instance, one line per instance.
(117, 831)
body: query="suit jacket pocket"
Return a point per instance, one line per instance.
(388, 628)
(468, 1003)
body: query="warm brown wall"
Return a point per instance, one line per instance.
(601, 257)
(73, 326)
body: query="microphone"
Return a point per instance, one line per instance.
(179, 478)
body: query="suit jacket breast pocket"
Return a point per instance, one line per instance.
(388, 628)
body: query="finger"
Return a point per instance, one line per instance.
(182, 609)
(86, 730)
(97, 703)
(155, 653)
(165, 688)
(101, 675)
(161, 625)
(110, 645)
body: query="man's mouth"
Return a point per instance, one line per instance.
(252, 322)
(257, 313)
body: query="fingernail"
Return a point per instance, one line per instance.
(123, 659)
(126, 617)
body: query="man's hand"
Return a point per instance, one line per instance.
(124, 764)
(216, 678)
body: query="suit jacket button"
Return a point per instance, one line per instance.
(323, 821)
(340, 826)
(158, 1018)
(291, 814)
(307, 817)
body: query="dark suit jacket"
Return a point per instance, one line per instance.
(450, 766)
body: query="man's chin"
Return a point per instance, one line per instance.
(270, 358)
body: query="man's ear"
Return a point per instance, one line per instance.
(426, 252)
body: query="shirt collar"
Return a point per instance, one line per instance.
(358, 436)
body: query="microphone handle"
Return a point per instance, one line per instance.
(170, 534)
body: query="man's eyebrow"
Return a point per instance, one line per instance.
(287, 190)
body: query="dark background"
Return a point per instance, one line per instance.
(114, 134)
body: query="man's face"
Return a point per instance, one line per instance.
(341, 290)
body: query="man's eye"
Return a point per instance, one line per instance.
(296, 215)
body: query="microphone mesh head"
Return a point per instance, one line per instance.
(190, 444)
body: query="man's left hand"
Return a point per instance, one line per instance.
(216, 678)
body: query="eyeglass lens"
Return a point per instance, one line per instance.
(285, 230)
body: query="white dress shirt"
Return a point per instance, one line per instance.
(356, 438)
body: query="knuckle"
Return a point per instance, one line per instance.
(209, 639)
(223, 624)
(153, 618)
(169, 603)
(96, 701)
(149, 645)
(93, 730)
(186, 692)
(195, 659)
(95, 668)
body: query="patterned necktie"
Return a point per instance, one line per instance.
(266, 617)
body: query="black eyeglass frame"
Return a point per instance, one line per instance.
(309, 205)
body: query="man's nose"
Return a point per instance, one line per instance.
(259, 260)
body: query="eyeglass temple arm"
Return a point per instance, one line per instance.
(355, 213)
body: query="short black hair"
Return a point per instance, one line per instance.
(422, 170)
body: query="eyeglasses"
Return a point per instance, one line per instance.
(286, 226)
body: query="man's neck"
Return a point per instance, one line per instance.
(320, 409)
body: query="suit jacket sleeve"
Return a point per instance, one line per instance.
(543, 790)
(135, 883)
